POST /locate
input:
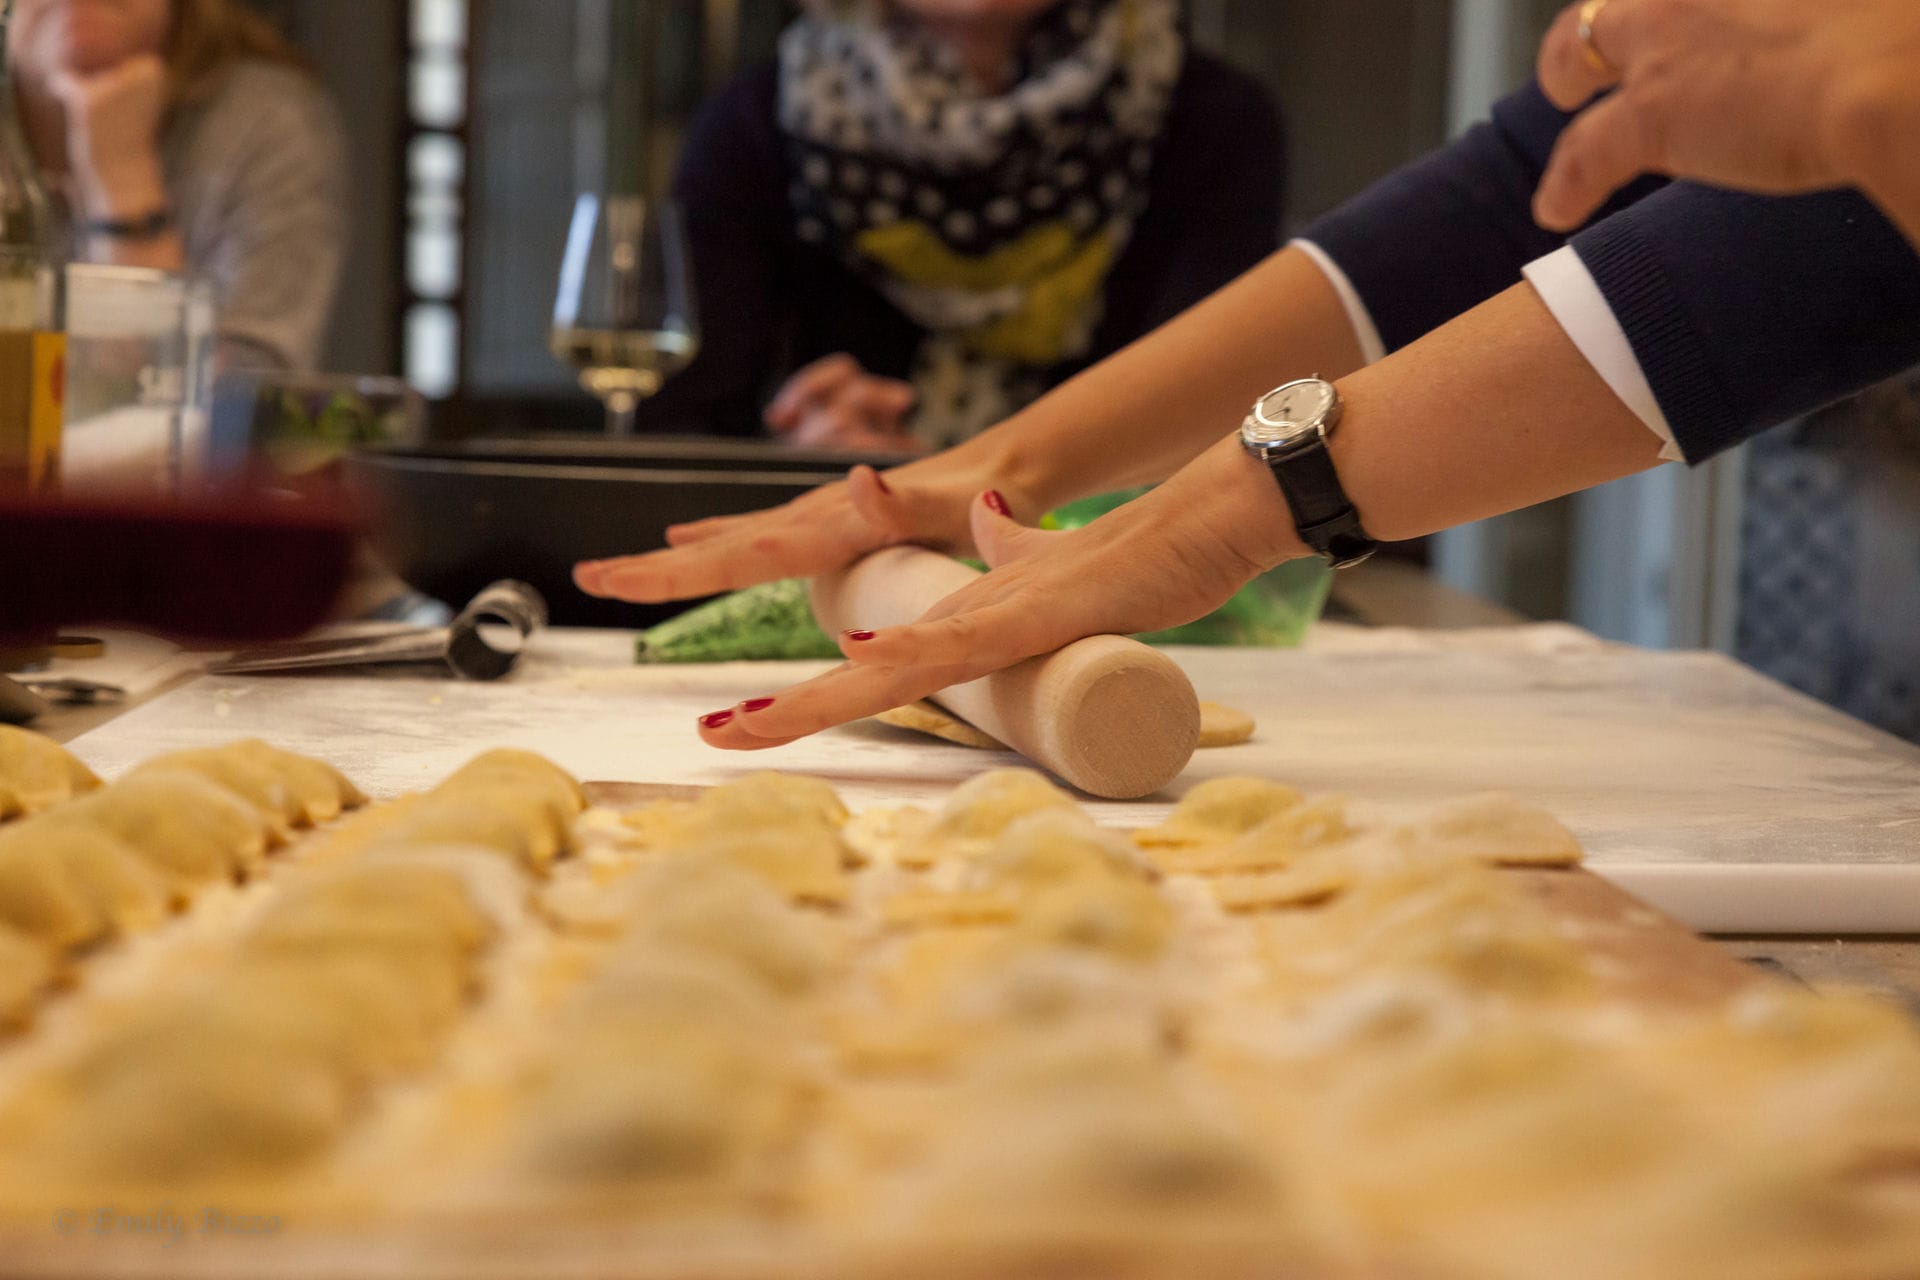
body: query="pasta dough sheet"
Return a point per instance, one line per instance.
(1220, 726)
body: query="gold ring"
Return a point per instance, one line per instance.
(1595, 59)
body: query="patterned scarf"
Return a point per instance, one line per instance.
(990, 221)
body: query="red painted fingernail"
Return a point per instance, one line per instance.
(882, 482)
(996, 503)
(718, 720)
(758, 704)
(859, 637)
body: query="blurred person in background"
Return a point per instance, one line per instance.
(188, 136)
(931, 212)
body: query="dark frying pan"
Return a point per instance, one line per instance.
(451, 518)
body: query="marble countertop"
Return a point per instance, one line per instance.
(1663, 757)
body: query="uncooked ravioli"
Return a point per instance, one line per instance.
(710, 907)
(70, 887)
(26, 969)
(767, 799)
(533, 789)
(185, 827)
(979, 810)
(289, 789)
(783, 829)
(1222, 726)
(677, 1070)
(178, 1100)
(37, 773)
(1275, 843)
(1219, 809)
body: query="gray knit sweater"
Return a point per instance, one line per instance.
(257, 174)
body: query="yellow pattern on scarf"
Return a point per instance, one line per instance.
(1059, 273)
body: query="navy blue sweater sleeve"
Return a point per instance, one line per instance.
(1745, 311)
(1440, 236)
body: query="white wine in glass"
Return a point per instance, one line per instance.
(616, 362)
(625, 316)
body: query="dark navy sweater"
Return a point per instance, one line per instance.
(1744, 311)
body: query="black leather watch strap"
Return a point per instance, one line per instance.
(148, 226)
(1322, 513)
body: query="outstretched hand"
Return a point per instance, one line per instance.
(828, 529)
(1165, 559)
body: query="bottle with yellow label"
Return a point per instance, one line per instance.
(33, 345)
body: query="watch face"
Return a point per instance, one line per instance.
(1292, 412)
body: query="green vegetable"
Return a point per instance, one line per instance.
(769, 623)
(305, 438)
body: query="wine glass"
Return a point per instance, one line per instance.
(625, 313)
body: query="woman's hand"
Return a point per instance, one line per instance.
(924, 502)
(1165, 559)
(1773, 96)
(835, 404)
(113, 135)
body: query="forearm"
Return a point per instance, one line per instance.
(1141, 415)
(1495, 411)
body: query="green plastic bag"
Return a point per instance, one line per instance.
(769, 623)
(773, 622)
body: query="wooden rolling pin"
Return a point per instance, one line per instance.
(1109, 715)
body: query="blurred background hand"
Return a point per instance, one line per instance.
(113, 135)
(834, 403)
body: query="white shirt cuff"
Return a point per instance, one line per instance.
(1372, 350)
(1568, 288)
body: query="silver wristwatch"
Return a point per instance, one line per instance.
(1288, 431)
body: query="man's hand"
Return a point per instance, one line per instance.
(835, 404)
(1772, 96)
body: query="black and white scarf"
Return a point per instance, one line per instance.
(992, 221)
